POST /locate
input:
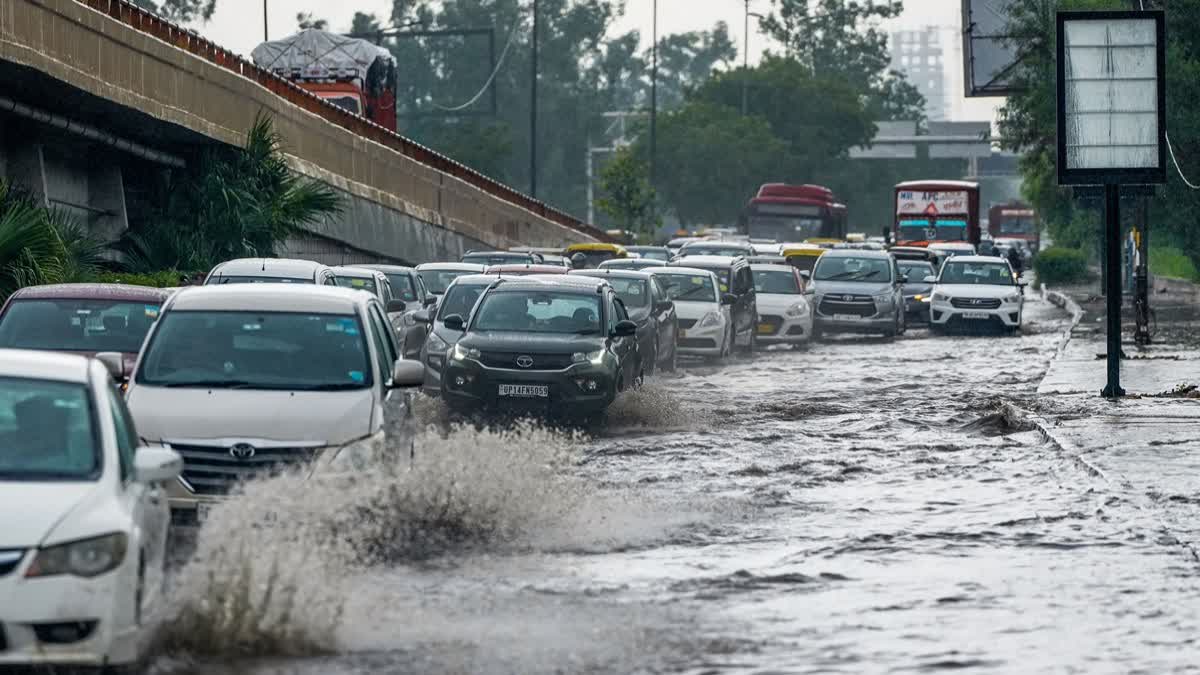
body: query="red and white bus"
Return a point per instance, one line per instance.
(794, 213)
(930, 211)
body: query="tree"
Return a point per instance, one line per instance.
(686, 60)
(626, 194)
(305, 21)
(181, 11)
(40, 245)
(711, 157)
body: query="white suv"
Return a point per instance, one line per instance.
(976, 292)
(249, 378)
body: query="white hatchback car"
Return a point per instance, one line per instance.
(705, 324)
(976, 292)
(784, 312)
(83, 516)
(252, 378)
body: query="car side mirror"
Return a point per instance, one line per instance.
(625, 328)
(422, 316)
(407, 373)
(903, 279)
(156, 465)
(728, 299)
(930, 279)
(396, 306)
(430, 301)
(114, 363)
(454, 322)
(665, 305)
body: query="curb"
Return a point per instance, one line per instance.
(1065, 302)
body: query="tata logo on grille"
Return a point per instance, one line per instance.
(242, 451)
(525, 361)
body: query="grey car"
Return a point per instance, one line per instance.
(916, 289)
(459, 298)
(408, 287)
(856, 291)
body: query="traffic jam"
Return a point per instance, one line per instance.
(137, 412)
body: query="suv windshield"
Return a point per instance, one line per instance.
(437, 281)
(222, 279)
(77, 325)
(257, 350)
(47, 431)
(460, 299)
(915, 271)
(688, 287)
(994, 274)
(539, 312)
(875, 270)
(633, 292)
(775, 281)
(357, 283)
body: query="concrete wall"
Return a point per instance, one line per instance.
(400, 208)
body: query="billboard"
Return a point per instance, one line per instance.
(989, 57)
(931, 204)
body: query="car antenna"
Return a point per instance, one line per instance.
(264, 265)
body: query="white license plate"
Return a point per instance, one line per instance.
(202, 512)
(525, 390)
(847, 317)
(976, 315)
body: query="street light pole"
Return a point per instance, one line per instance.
(746, 59)
(654, 95)
(533, 103)
(266, 32)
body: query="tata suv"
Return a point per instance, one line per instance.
(542, 345)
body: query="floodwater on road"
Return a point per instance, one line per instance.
(861, 506)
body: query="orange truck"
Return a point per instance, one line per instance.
(1015, 220)
(350, 73)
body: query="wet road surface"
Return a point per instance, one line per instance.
(862, 506)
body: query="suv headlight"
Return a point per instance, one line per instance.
(940, 297)
(798, 309)
(1015, 297)
(84, 558)
(462, 353)
(883, 298)
(437, 345)
(596, 357)
(357, 455)
(710, 320)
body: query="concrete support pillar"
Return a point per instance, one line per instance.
(106, 194)
(26, 168)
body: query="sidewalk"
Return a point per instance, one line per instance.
(1146, 446)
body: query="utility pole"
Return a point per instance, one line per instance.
(266, 32)
(654, 96)
(533, 104)
(746, 60)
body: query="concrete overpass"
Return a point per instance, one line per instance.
(98, 92)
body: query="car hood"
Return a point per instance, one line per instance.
(32, 510)
(776, 303)
(976, 290)
(128, 359)
(450, 336)
(850, 287)
(917, 289)
(329, 417)
(540, 343)
(686, 309)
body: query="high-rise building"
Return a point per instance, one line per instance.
(921, 56)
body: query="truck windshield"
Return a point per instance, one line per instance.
(47, 431)
(77, 325)
(1017, 226)
(257, 350)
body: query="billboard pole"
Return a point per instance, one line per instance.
(1112, 263)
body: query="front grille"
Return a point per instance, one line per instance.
(975, 303)
(213, 470)
(539, 361)
(685, 324)
(769, 325)
(698, 343)
(9, 560)
(857, 305)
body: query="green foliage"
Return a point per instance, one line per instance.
(230, 203)
(160, 279)
(626, 194)
(39, 245)
(306, 20)
(1060, 265)
(1167, 261)
(181, 11)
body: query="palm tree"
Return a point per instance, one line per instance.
(30, 250)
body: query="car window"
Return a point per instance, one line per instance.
(612, 314)
(77, 325)
(744, 281)
(852, 269)
(47, 431)
(358, 283)
(660, 291)
(385, 353)
(402, 287)
(460, 299)
(422, 292)
(689, 287)
(127, 440)
(777, 282)
(633, 292)
(220, 280)
(538, 311)
(916, 271)
(954, 272)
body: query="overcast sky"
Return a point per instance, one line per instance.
(238, 24)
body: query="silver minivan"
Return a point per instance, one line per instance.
(250, 378)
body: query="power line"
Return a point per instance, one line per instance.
(1178, 170)
(491, 78)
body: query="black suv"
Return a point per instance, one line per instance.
(549, 345)
(737, 291)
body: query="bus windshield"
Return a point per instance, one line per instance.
(940, 230)
(786, 228)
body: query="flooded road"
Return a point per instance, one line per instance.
(862, 506)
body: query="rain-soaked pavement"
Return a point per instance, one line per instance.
(862, 506)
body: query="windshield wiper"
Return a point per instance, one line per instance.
(328, 386)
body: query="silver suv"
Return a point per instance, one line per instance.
(857, 291)
(248, 378)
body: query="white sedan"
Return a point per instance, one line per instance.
(83, 517)
(976, 292)
(784, 313)
(705, 325)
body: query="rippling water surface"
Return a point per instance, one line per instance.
(862, 506)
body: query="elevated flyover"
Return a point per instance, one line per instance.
(96, 90)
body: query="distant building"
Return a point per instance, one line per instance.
(921, 55)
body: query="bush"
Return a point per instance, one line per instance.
(163, 279)
(1166, 261)
(1059, 265)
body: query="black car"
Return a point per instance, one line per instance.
(543, 345)
(409, 288)
(737, 288)
(651, 308)
(916, 290)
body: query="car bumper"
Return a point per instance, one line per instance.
(775, 330)
(946, 314)
(84, 609)
(434, 363)
(917, 309)
(872, 324)
(468, 385)
(707, 341)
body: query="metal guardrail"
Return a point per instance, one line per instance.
(189, 41)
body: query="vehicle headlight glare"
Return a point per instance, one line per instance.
(595, 357)
(711, 319)
(462, 353)
(85, 558)
(798, 309)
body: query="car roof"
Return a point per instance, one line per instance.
(120, 292)
(976, 259)
(856, 253)
(717, 260)
(386, 269)
(268, 267)
(357, 272)
(43, 365)
(514, 267)
(679, 269)
(451, 267)
(270, 298)
(951, 245)
(567, 282)
(642, 247)
(772, 267)
(614, 273)
(719, 243)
